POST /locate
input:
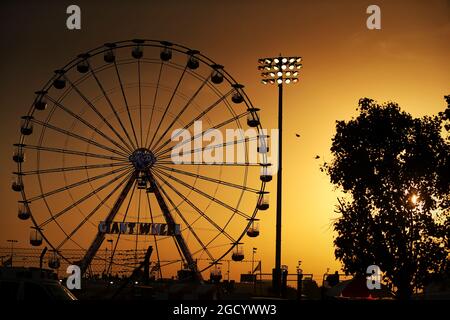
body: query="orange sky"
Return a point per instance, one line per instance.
(407, 61)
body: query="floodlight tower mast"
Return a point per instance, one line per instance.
(279, 70)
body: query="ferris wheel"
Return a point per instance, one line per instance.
(95, 158)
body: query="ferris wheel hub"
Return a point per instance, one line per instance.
(142, 159)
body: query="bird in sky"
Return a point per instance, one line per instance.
(317, 157)
(297, 135)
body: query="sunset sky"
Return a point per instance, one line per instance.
(407, 61)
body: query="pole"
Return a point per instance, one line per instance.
(106, 259)
(299, 280)
(299, 284)
(253, 260)
(253, 271)
(260, 271)
(12, 241)
(41, 258)
(276, 273)
(111, 257)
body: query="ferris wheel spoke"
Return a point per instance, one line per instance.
(174, 206)
(199, 135)
(154, 103)
(202, 114)
(88, 216)
(181, 113)
(73, 152)
(204, 194)
(76, 136)
(84, 198)
(216, 146)
(95, 129)
(238, 164)
(211, 247)
(75, 168)
(154, 236)
(140, 104)
(123, 220)
(168, 106)
(77, 184)
(200, 212)
(202, 177)
(168, 263)
(126, 102)
(92, 106)
(113, 109)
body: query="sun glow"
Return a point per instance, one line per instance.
(414, 199)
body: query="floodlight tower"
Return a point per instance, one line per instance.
(279, 70)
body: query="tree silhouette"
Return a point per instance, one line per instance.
(394, 170)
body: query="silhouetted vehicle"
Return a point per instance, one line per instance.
(31, 284)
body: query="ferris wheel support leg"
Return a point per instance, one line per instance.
(171, 222)
(95, 245)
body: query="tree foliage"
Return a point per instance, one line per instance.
(395, 172)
